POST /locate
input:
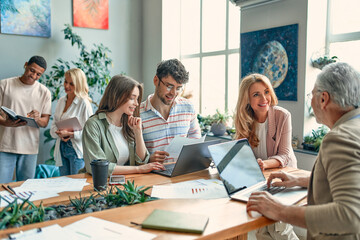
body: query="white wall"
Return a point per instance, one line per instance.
(278, 14)
(152, 32)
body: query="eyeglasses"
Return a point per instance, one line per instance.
(310, 95)
(169, 87)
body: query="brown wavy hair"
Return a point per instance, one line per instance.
(118, 92)
(245, 119)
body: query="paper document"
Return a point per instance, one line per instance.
(20, 193)
(12, 115)
(52, 232)
(61, 184)
(71, 124)
(175, 146)
(196, 189)
(96, 228)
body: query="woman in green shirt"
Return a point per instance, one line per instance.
(114, 132)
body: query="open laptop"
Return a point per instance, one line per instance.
(241, 174)
(192, 158)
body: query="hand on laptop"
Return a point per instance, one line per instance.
(287, 180)
(159, 156)
(150, 167)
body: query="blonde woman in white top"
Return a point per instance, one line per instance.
(68, 151)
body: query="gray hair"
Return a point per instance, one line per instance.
(342, 82)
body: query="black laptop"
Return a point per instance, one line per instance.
(192, 158)
(241, 174)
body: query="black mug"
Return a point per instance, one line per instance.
(99, 170)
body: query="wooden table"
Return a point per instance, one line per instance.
(227, 218)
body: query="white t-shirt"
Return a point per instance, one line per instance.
(121, 143)
(22, 99)
(261, 131)
(80, 108)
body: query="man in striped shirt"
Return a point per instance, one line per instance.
(165, 114)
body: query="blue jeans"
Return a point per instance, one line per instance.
(71, 163)
(25, 166)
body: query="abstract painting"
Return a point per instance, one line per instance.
(273, 52)
(26, 17)
(91, 13)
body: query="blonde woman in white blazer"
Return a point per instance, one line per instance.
(68, 151)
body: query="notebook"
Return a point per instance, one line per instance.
(192, 158)
(13, 116)
(71, 124)
(175, 221)
(241, 174)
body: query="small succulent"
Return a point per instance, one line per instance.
(82, 203)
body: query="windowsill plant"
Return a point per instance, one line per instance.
(216, 123)
(312, 142)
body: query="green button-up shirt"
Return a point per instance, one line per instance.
(98, 143)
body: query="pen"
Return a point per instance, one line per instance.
(8, 189)
(11, 189)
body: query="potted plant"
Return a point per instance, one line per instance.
(218, 123)
(322, 61)
(312, 142)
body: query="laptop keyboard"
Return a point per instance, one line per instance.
(168, 169)
(272, 190)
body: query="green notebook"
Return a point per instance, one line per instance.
(175, 221)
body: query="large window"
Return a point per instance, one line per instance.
(205, 35)
(343, 34)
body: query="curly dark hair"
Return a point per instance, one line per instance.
(174, 68)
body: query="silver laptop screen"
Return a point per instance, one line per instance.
(236, 164)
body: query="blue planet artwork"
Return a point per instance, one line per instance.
(273, 53)
(26, 17)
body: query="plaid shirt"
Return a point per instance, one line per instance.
(158, 132)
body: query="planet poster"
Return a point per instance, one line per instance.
(273, 52)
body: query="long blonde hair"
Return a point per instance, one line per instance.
(79, 80)
(245, 122)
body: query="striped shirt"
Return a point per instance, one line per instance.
(158, 132)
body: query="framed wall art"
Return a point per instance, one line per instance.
(91, 13)
(273, 52)
(26, 17)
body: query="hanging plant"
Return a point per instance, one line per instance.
(323, 61)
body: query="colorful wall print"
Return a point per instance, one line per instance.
(91, 13)
(274, 53)
(26, 17)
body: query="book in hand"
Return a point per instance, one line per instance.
(13, 116)
(70, 124)
(175, 221)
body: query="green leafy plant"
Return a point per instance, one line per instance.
(219, 117)
(323, 61)
(313, 141)
(94, 62)
(82, 203)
